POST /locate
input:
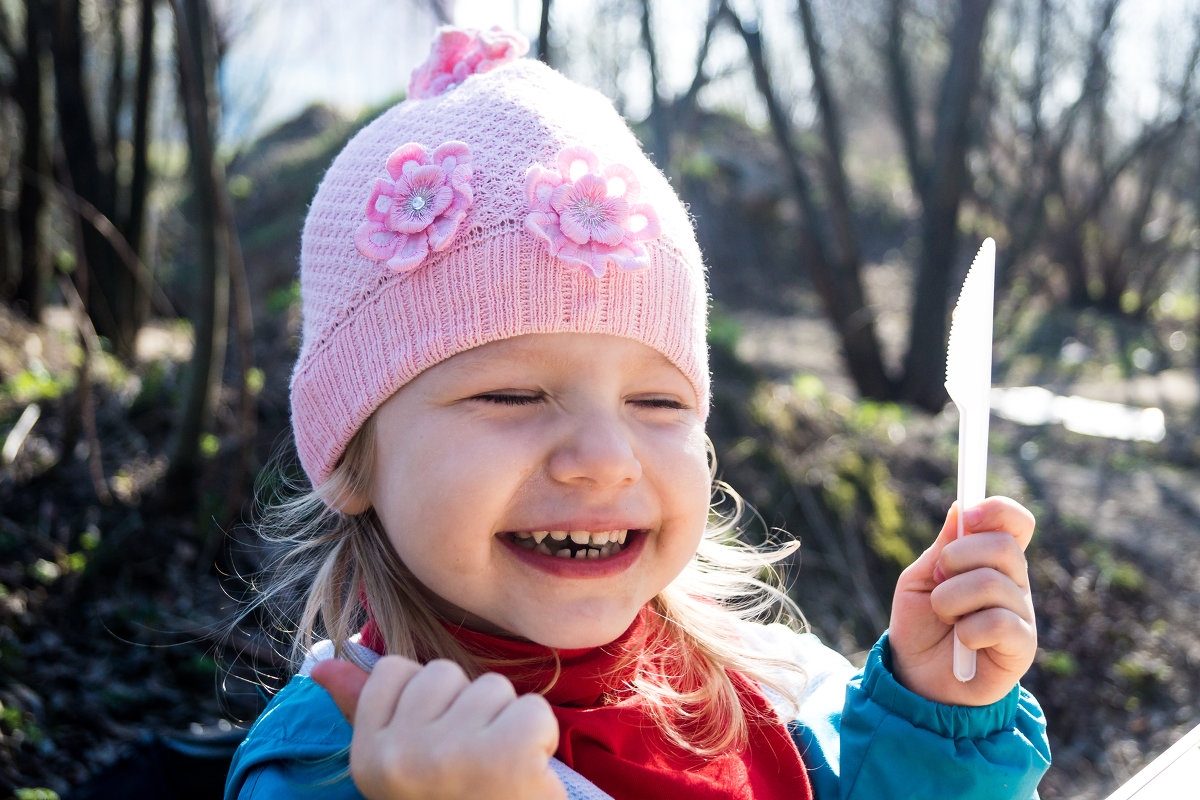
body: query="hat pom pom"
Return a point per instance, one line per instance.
(458, 53)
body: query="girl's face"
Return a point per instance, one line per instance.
(546, 486)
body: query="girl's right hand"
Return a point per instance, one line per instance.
(428, 732)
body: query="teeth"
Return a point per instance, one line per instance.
(583, 544)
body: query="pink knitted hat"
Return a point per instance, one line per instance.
(499, 199)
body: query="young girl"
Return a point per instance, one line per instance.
(508, 550)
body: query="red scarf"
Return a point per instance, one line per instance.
(607, 735)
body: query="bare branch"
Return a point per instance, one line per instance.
(543, 50)
(840, 287)
(840, 214)
(686, 104)
(905, 105)
(440, 12)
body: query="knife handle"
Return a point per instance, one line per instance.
(964, 661)
(972, 472)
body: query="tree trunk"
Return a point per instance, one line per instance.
(91, 173)
(543, 43)
(924, 363)
(133, 224)
(661, 150)
(839, 286)
(841, 216)
(28, 91)
(195, 41)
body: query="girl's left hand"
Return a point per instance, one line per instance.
(979, 583)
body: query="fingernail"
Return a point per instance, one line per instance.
(973, 517)
(938, 575)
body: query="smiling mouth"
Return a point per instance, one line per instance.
(580, 545)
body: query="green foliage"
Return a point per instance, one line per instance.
(723, 331)
(240, 186)
(256, 379)
(697, 164)
(35, 383)
(1182, 307)
(809, 387)
(16, 723)
(1115, 573)
(864, 483)
(1142, 670)
(36, 793)
(45, 571)
(280, 300)
(1058, 662)
(870, 416)
(210, 445)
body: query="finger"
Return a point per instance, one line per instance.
(919, 575)
(530, 718)
(976, 590)
(344, 682)
(390, 676)
(1001, 514)
(430, 692)
(999, 630)
(997, 550)
(482, 700)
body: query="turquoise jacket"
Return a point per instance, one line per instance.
(863, 736)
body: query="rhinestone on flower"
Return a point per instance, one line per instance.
(458, 53)
(587, 215)
(418, 210)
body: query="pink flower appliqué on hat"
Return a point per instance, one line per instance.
(589, 216)
(419, 209)
(458, 53)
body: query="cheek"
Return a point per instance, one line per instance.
(689, 484)
(437, 496)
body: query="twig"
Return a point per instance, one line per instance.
(106, 228)
(16, 437)
(87, 404)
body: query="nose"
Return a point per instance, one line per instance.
(598, 450)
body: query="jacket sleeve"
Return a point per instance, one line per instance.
(875, 739)
(298, 748)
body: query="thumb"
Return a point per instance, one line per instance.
(344, 682)
(923, 568)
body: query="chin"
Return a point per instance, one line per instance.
(581, 634)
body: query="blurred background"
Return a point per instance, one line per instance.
(843, 161)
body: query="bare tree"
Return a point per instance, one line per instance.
(1097, 206)
(197, 52)
(116, 297)
(661, 149)
(838, 284)
(25, 88)
(939, 173)
(829, 241)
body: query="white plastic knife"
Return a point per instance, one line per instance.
(969, 383)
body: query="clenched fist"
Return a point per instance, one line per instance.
(428, 732)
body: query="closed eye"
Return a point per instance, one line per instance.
(508, 398)
(670, 403)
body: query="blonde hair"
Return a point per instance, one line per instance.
(329, 562)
